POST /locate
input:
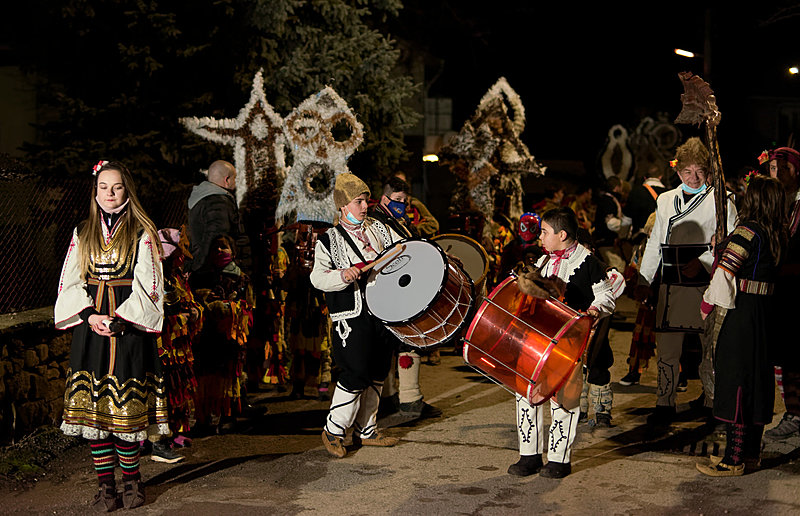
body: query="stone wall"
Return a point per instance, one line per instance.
(34, 358)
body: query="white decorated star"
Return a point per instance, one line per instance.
(256, 136)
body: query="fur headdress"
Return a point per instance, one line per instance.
(692, 152)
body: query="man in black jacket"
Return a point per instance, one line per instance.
(212, 213)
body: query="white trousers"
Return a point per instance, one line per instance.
(358, 409)
(564, 412)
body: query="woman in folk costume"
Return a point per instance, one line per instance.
(743, 283)
(679, 246)
(111, 294)
(361, 347)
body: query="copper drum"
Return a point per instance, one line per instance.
(472, 255)
(528, 345)
(419, 296)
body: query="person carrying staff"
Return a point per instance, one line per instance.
(361, 345)
(680, 245)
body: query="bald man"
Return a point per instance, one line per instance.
(212, 212)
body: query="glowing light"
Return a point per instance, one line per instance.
(684, 53)
(430, 157)
(794, 70)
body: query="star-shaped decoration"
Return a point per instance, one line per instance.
(489, 145)
(256, 136)
(323, 133)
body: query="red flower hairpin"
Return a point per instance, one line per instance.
(673, 163)
(749, 175)
(763, 157)
(96, 168)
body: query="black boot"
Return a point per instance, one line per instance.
(526, 465)
(556, 470)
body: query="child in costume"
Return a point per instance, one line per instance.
(587, 289)
(743, 283)
(220, 349)
(182, 323)
(362, 349)
(111, 293)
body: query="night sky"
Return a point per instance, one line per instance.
(580, 70)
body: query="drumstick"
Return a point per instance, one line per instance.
(390, 255)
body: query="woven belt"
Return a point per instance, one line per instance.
(102, 290)
(761, 288)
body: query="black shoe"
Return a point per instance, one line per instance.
(388, 405)
(526, 465)
(661, 416)
(556, 470)
(163, 453)
(683, 384)
(698, 403)
(631, 378)
(419, 409)
(583, 416)
(602, 420)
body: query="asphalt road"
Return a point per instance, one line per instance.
(453, 464)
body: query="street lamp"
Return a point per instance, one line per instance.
(794, 70)
(685, 53)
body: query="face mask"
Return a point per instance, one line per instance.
(222, 258)
(692, 191)
(352, 220)
(397, 208)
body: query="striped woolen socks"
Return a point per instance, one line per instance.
(128, 454)
(104, 457)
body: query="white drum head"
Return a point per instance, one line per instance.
(408, 284)
(473, 258)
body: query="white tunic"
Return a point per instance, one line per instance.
(681, 222)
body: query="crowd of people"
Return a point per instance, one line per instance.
(172, 327)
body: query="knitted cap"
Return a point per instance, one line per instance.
(693, 152)
(347, 188)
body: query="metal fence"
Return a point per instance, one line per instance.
(37, 217)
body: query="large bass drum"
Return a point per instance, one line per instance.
(419, 296)
(528, 345)
(472, 255)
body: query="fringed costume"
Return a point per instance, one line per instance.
(220, 348)
(183, 321)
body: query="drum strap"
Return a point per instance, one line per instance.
(350, 242)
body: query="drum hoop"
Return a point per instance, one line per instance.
(484, 253)
(445, 275)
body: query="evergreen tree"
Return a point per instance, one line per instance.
(114, 76)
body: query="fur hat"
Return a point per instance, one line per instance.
(692, 152)
(347, 188)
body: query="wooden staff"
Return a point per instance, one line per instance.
(700, 106)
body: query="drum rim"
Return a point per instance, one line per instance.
(442, 284)
(483, 250)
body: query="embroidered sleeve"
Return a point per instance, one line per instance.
(325, 275)
(737, 251)
(144, 308)
(73, 297)
(722, 289)
(604, 299)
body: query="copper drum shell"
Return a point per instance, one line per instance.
(528, 345)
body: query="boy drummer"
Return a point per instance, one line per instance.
(361, 346)
(587, 290)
